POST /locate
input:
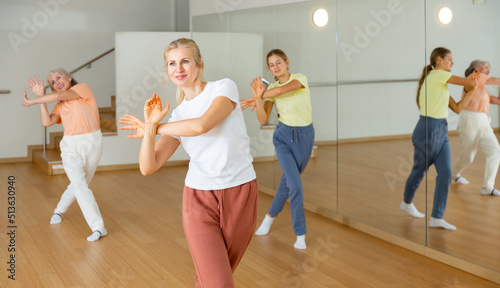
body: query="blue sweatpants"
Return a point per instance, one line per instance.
(293, 148)
(438, 153)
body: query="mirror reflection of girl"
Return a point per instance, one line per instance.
(430, 137)
(475, 131)
(81, 146)
(293, 137)
(220, 194)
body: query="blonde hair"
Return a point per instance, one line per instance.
(189, 44)
(61, 71)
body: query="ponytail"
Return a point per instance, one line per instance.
(425, 72)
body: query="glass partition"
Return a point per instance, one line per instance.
(363, 69)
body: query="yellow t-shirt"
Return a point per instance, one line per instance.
(81, 115)
(294, 107)
(438, 97)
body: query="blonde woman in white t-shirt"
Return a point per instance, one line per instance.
(220, 192)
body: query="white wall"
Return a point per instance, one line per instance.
(238, 56)
(38, 36)
(310, 49)
(377, 40)
(139, 74)
(203, 7)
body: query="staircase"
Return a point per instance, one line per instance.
(50, 159)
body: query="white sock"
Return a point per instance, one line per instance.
(56, 218)
(440, 223)
(411, 209)
(97, 234)
(489, 191)
(301, 242)
(460, 180)
(264, 227)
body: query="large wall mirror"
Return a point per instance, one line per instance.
(363, 69)
(475, 216)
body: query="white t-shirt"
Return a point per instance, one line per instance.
(220, 158)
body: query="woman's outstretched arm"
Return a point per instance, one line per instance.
(277, 91)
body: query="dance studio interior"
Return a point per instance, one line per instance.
(363, 60)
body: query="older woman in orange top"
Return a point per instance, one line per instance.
(81, 146)
(475, 131)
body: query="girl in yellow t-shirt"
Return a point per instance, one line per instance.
(430, 137)
(293, 137)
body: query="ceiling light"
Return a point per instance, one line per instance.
(445, 15)
(320, 17)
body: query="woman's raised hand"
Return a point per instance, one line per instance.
(153, 113)
(245, 103)
(134, 123)
(258, 88)
(27, 102)
(36, 87)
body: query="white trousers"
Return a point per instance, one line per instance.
(80, 155)
(475, 131)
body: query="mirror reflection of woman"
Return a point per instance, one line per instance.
(475, 132)
(430, 137)
(293, 137)
(220, 194)
(81, 146)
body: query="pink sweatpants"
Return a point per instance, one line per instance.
(219, 225)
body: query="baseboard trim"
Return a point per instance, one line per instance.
(133, 166)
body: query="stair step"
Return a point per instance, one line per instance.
(49, 161)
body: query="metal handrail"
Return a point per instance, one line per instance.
(86, 65)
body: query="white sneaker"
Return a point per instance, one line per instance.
(460, 180)
(440, 223)
(489, 191)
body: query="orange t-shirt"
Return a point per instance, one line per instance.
(81, 115)
(480, 101)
